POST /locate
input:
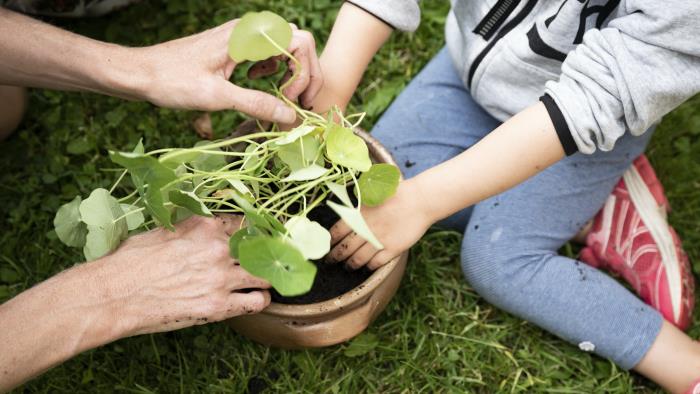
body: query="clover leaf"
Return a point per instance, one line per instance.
(258, 36)
(312, 240)
(343, 147)
(378, 184)
(68, 226)
(279, 263)
(353, 218)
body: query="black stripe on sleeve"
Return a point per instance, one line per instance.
(372, 13)
(563, 132)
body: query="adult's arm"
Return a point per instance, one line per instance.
(157, 281)
(191, 72)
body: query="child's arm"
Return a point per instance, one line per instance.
(356, 36)
(518, 149)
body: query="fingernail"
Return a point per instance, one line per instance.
(285, 114)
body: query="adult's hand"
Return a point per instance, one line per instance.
(170, 280)
(156, 281)
(193, 72)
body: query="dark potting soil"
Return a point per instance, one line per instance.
(331, 280)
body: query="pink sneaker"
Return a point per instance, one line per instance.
(631, 237)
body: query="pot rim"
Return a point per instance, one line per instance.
(361, 291)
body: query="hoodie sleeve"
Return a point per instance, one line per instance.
(627, 75)
(399, 14)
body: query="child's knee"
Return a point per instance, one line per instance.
(14, 101)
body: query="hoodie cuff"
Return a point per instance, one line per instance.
(563, 132)
(401, 15)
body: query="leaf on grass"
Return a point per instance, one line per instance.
(300, 154)
(248, 41)
(295, 133)
(346, 149)
(353, 218)
(190, 201)
(133, 220)
(309, 237)
(279, 263)
(309, 173)
(378, 184)
(70, 229)
(105, 223)
(361, 345)
(341, 192)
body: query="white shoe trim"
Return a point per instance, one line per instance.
(648, 210)
(606, 226)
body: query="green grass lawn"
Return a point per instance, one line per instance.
(437, 335)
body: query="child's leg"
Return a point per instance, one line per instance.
(14, 102)
(510, 258)
(433, 120)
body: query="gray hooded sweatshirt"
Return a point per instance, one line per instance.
(601, 67)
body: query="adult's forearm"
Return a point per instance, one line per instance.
(356, 36)
(521, 147)
(55, 320)
(36, 54)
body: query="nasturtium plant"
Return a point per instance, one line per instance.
(378, 184)
(274, 178)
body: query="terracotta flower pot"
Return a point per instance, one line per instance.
(333, 321)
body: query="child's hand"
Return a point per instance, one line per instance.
(398, 224)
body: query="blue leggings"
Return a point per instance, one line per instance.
(509, 251)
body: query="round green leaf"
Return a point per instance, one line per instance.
(309, 173)
(279, 263)
(190, 201)
(106, 225)
(353, 218)
(250, 38)
(295, 133)
(378, 184)
(69, 228)
(346, 149)
(309, 237)
(133, 220)
(301, 153)
(341, 192)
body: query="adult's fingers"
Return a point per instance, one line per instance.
(240, 279)
(345, 248)
(361, 257)
(230, 223)
(258, 104)
(246, 303)
(264, 68)
(299, 48)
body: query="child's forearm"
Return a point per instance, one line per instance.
(518, 149)
(356, 36)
